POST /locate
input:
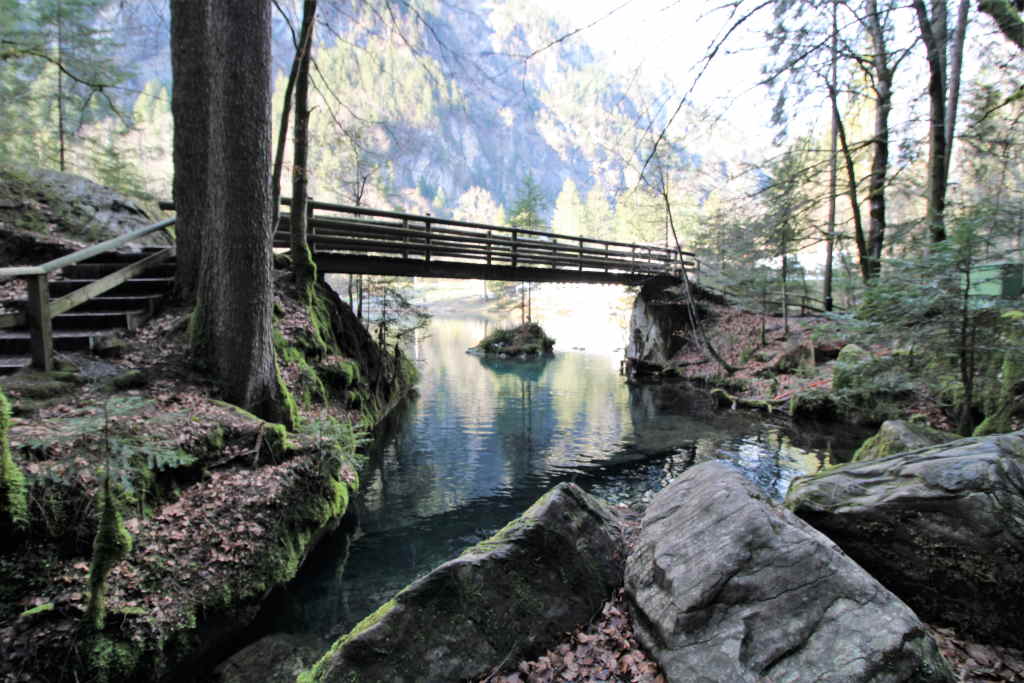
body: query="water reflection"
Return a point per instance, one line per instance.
(485, 438)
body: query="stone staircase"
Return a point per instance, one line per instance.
(84, 327)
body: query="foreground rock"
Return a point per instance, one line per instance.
(730, 587)
(545, 573)
(942, 527)
(900, 436)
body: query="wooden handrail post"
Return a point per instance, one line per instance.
(515, 253)
(427, 223)
(489, 237)
(405, 239)
(40, 324)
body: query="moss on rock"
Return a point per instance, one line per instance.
(13, 491)
(113, 543)
(899, 436)
(528, 339)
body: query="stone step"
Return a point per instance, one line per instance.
(18, 343)
(135, 286)
(97, 269)
(94, 320)
(117, 302)
(11, 364)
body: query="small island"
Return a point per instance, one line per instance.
(524, 342)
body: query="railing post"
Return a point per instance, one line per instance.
(405, 238)
(580, 268)
(427, 223)
(489, 237)
(515, 253)
(310, 228)
(40, 324)
(606, 257)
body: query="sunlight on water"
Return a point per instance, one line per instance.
(485, 438)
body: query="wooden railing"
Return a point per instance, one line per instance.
(40, 309)
(471, 249)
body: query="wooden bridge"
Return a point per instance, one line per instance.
(350, 239)
(99, 288)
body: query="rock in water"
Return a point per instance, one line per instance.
(510, 596)
(942, 527)
(728, 586)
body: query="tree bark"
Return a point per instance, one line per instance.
(303, 268)
(192, 104)
(955, 70)
(880, 158)
(851, 174)
(231, 325)
(833, 159)
(934, 34)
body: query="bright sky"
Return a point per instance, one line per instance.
(668, 40)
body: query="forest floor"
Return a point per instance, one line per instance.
(210, 493)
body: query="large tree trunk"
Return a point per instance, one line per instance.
(303, 267)
(231, 331)
(880, 159)
(934, 34)
(192, 105)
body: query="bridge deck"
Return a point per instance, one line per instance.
(348, 239)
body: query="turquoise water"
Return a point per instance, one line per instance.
(484, 438)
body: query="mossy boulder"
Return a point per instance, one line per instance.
(528, 339)
(847, 366)
(504, 599)
(900, 436)
(941, 527)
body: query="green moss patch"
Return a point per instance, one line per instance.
(528, 339)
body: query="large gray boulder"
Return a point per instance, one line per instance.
(942, 527)
(899, 436)
(547, 572)
(728, 586)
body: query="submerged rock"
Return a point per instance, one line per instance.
(728, 586)
(899, 436)
(514, 594)
(942, 527)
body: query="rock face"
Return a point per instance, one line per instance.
(276, 658)
(42, 208)
(730, 587)
(899, 436)
(547, 572)
(656, 315)
(942, 527)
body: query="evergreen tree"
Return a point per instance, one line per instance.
(62, 44)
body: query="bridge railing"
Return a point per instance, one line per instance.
(338, 228)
